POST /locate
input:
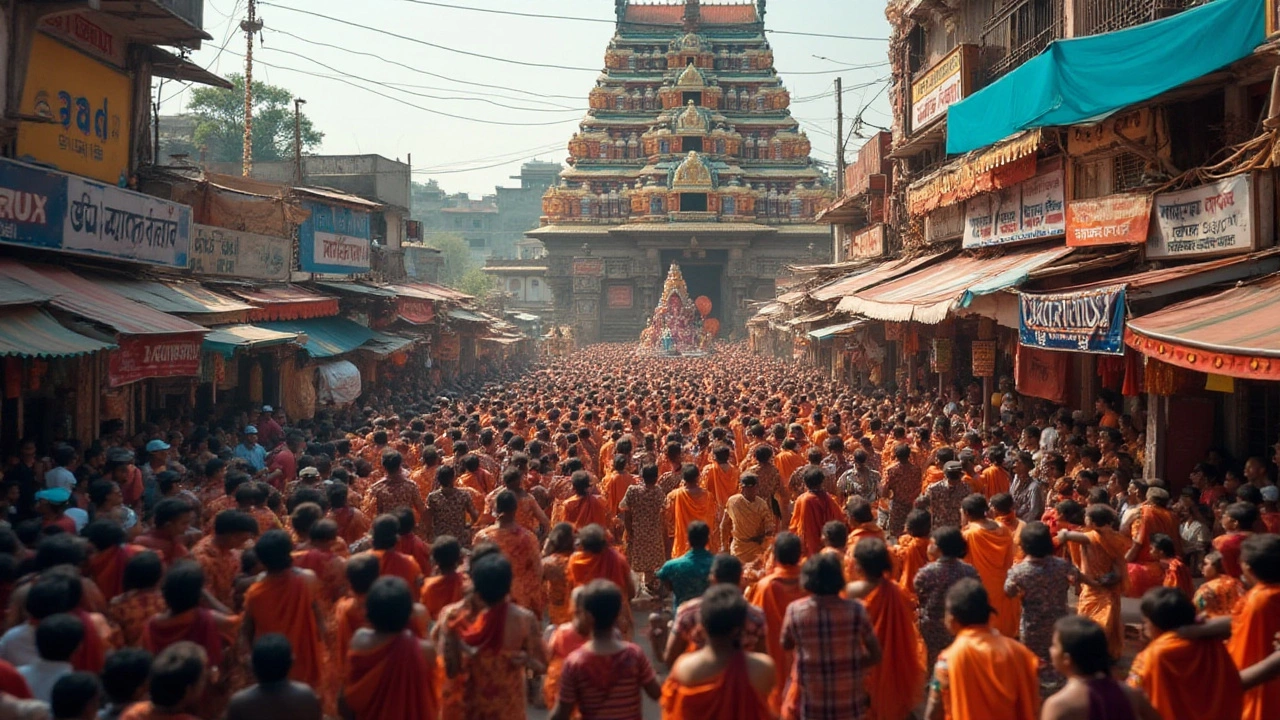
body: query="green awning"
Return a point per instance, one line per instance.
(823, 333)
(384, 344)
(465, 316)
(326, 337)
(28, 331)
(230, 338)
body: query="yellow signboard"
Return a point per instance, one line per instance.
(88, 106)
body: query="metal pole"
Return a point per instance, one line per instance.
(839, 137)
(249, 26)
(297, 138)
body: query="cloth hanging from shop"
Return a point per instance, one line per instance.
(1134, 379)
(339, 383)
(1085, 78)
(1043, 373)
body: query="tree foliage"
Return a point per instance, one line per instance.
(220, 122)
(476, 282)
(457, 258)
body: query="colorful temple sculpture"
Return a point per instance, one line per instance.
(688, 154)
(679, 326)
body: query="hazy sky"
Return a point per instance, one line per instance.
(470, 155)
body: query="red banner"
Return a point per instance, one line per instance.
(140, 357)
(418, 312)
(1110, 220)
(1043, 373)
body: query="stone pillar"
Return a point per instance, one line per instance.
(1157, 438)
(587, 272)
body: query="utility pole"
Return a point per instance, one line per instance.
(297, 138)
(839, 138)
(249, 26)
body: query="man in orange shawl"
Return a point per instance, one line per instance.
(445, 588)
(1154, 518)
(720, 477)
(1002, 512)
(1104, 576)
(352, 524)
(185, 620)
(685, 504)
(813, 509)
(1257, 621)
(994, 479)
(285, 600)
(585, 507)
(720, 681)
(219, 554)
(773, 594)
(912, 551)
(614, 485)
(110, 554)
(982, 674)
(389, 670)
(386, 536)
(896, 683)
(1184, 679)
(789, 459)
(597, 561)
(991, 554)
(522, 550)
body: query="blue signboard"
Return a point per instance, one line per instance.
(33, 205)
(334, 240)
(1090, 321)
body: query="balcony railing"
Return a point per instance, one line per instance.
(1094, 17)
(1018, 31)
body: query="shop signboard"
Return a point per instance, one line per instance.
(141, 357)
(415, 310)
(620, 297)
(33, 205)
(940, 355)
(334, 240)
(867, 243)
(1110, 220)
(105, 220)
(942, 86)
(588, 267)
(449, 349)
(90, 35)
(1219, 218)
(87, 105)
(1030, 210)
(945, 223)
(1090, 321)
(232, 253)
(983, 353)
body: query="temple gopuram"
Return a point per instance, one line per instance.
(688, 155)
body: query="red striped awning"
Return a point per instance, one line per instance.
(1235, 332)
(286, 302)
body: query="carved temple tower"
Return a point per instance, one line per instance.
(689, 154)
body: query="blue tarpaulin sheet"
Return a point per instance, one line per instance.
(1079, 79)
(326, 337)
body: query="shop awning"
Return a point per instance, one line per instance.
(466, 316)
(227, 339)
(384, 344)
(1235, 332)
(832, 330)
(504, 340)
(812, 317)
(13, 292)
(27, 331)
(1084, 78)
(1003, 165)
(523, 317)
(430, 291)
(286, 302)
(352, 288)
(928, 295)
(85, 298)
(326, 337)
(866, 278)
(179, 298)
(1173, 280)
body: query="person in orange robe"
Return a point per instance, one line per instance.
(1257, 621)
(896, 683)
(445, 588)
(614, 487)
(789, 459)
(813, 509)
(1218, 594)
(912, 551)
(219, 554)
(386, 536)
(585, 507)
(130, 610)
(285, 600)
(720, 680)
(994, 479)
(389, 669)
(562, 640)
(314, 555)
(597, 561)
(982, 674)
(691, 502)
(110, 553)
(1153, 518)
(1002, 512)
(179, 675)
(773, 594)
(1104, 576)
(1176, 573)
(1184, 679)
(556, 552)
(720, 478)
(352, 524)
(522, 550)
(991, 554)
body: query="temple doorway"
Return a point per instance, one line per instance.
(704, 276)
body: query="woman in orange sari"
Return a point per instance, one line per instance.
(895, 684)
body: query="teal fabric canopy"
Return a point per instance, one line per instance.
(1084, 78)
(326, 337)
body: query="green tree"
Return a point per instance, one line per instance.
(476, 282)
(457, 258)
(220, 122)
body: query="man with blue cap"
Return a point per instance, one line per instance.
(50, 506)
(253, 454)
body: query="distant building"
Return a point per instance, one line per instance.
(523, 283)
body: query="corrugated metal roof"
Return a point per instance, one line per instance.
(226, 339)
(338, 196)
(13, 292)
(287, 302)
(358, 289)
(27, 331)
(465, 315)
(326, 337)
(868, 277)
(831, 330)
(930, 294)
(74, 294)
(384, 344)
(179, 298)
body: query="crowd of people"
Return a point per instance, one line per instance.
(808, 551)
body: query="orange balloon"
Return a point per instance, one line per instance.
(711, 326)
(703, 303)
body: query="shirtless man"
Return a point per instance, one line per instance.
(275, 697)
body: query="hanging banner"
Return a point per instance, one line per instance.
(141, 357)
(339, 383)
(334, 240)
(1042, 374)
(1111, 220)
(414, 310)
(88, 107)
(983, 353)
(105, 220)
(940, 355)
(1027, 211)
(232, 253)
(1213, 219)
(619, 297)
(1091, 321)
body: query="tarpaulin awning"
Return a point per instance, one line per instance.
(229, 338)
(27, 331)
(812, 317)
(85, 298)
(523, 317)
(326, 337)
(384, 344)
(1235, 332)
(1003, 165)
(13, 292)
(1084, 78)
(177, 297)
(287, 302)
(353, 288)
(502, 340)
(1171, 280)
(884, 272)
(466, 316)
(832, 330)
(930, 294)
(430, 291)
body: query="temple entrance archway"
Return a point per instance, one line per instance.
(704, 274)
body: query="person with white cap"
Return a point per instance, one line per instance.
(157, 462)
(253, 454)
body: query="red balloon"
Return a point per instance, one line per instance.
(703, 303)
(711, 326)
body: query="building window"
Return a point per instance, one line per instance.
(476, 243)
(692, 143)
(475, 223)
(1109, 174)
(728, 205)
(534, 283)
(693, 202)
(915, 49)
(1019, 31)
(513, 285)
